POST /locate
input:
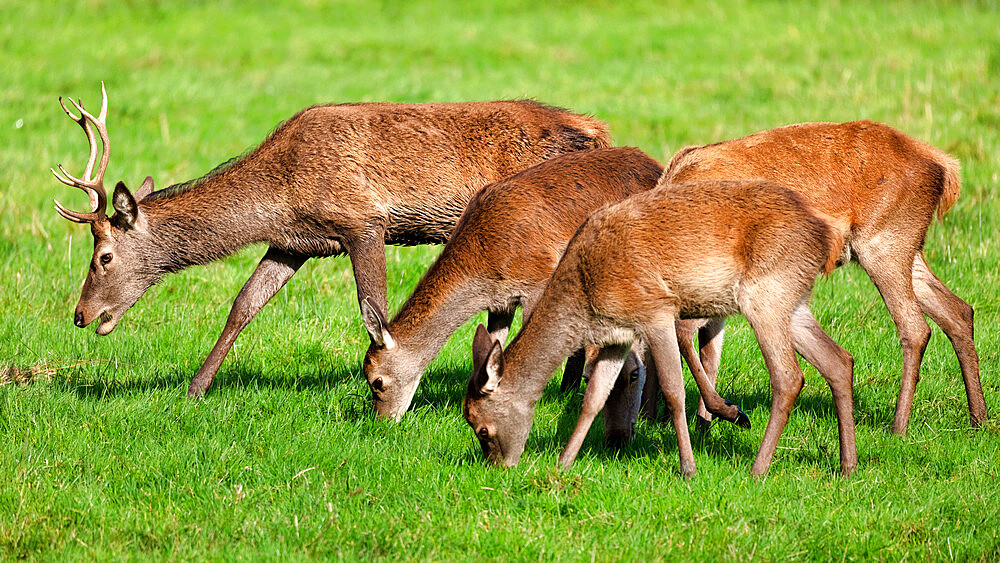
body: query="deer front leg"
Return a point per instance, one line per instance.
(710, 401)
(650, 400)
(606, 369)
(273, 271)
(367, 253)
(662, 342)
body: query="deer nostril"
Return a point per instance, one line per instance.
(377, 384)
(78, 319)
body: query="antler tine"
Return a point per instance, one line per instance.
(74, 216)
(66, 178)
(82, 120)
(93, 185)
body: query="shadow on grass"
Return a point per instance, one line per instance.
(442, 389)
(306, 372)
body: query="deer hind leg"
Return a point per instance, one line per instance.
(273, 271)
(710, 338)
(606, 369)
(772, 326)
(837, 367)
(662, 342)
(954, 316)
(891, 271)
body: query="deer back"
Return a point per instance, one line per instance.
(518, 228)
(859, 175)
(411, 167)
(687, 248)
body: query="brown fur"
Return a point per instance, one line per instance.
(503, 250)
(880, 189)
(332, 179)
(631, 271)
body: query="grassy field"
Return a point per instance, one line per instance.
(101, 454)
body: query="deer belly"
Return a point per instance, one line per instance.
(706, 293)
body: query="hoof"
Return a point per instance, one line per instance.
(741, 420)
(196, 392)
(702, 425)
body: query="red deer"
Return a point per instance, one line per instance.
(629, 272)
(332, 179)
(880, 189)
(501, 254)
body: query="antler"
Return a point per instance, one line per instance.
(94, 186)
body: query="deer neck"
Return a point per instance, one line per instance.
(429, 317)
(205, 222)
(555, 330)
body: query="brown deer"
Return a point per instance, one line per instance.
(501, 254)
(880, 189)
(630, 272)
(332, 179)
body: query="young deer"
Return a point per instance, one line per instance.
(630, 272)
(501, 254)
(880, 189)
(332, 179)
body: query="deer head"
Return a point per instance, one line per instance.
(384, 361)
(621, 411)
(119, 272)
(501, 421)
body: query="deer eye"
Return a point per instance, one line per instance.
(106, 258)
(634, 376)
(484, 433)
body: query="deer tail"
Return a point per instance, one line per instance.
(952, 183)
(835, 248)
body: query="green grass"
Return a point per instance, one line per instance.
(101, 454)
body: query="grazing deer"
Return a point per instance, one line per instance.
(332, 179)
(631, 271)
(501, 254)
(880, 189)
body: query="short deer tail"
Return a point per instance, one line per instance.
(952, 183)
(678, 156)
(598, 131)
(836, 247)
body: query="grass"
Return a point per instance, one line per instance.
(102, 456)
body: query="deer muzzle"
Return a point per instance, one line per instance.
(107, 321)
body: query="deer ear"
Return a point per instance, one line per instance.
(487, 361)
(482, 342)
(145, 189)
(374, 322)
(124, 203)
